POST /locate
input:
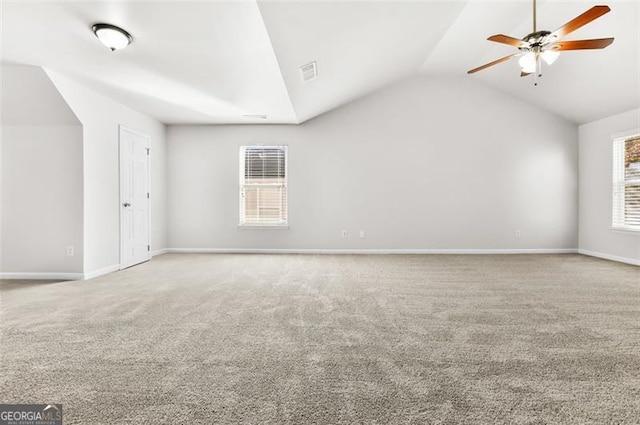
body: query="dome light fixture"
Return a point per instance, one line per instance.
(528, 62)
(550, 56)
(113, 37)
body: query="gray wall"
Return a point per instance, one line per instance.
(596, 235)
(429, 163)
(41, 190)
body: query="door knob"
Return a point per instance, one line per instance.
(126, 204)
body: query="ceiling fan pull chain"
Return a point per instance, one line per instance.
(539, 65)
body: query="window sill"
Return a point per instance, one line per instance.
(625, 230)
(264, 226)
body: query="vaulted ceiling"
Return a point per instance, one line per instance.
(232, 62)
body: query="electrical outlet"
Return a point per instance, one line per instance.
(344, 234)
(518, 233)
(362, 234)
(70, 251)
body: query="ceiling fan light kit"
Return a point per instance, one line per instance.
(545, 46)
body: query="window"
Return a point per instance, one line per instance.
(626, 183)
(263, 186)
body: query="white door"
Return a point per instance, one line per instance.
(134, 198)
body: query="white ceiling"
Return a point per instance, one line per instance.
(215, 62)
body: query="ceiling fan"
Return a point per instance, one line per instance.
(545, 45)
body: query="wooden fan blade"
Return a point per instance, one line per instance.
(505, 39)
(495, 62)
(524, 74)
(598, 43)
(580, 21)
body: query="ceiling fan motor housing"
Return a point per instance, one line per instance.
(537, 38)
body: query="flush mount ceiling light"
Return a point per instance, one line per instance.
(111, 36)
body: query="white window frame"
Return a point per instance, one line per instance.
(265, 225)
(618, 218)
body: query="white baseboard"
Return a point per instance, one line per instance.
(60, 276)
(42, 276)
(69, 276)
(116, 267)
(631, 261)
(100, 272)
(159, 252)
(370, 251)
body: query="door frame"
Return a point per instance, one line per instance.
(121, 129)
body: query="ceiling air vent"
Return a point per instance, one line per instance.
(309, 71)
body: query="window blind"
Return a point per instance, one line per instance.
(626, 183)
(263, 185)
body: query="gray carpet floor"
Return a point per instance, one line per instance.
(306, 339)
